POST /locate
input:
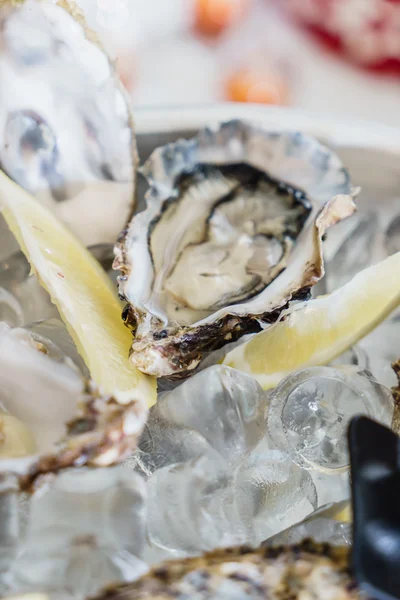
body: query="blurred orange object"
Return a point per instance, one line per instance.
(258, 86)
(212, 17)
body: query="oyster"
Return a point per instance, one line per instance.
(51, 418)
(306, 570)
(65, 126)
(232, 232)
(396, 398)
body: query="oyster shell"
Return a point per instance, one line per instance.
(232, 232)
(51, 418)
(396, 398)
(65, 126)
(306, 570)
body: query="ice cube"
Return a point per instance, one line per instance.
(222, 404)
(86, 529)
(104, 253)
(333, 486)
(392, 236)
(34, 301)
(353, 356)
(273, 492)
(9, 523)
(53, 334)
(382, 347)
(8, 243)
(10, 309)
(324, 525)
(29, 301)
(354, 253)
(310, 410)
(192, 507)
(163, 444)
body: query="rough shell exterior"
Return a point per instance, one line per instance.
(103, 433)
(163, 348)
(396, 398)
(308, 571)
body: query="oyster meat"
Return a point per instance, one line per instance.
(65, 126)
(232, 232)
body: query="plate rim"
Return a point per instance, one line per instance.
(335, 129)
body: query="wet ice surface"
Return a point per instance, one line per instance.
(309, 412)
(86, 530)
(392, 236)
(223, 405)
(266, 482)
(365, 238)
(8, 243)
(381, 348)
(355, 252)
(54, 330)
(198, 509)
(32, 300)
(9, 523)
(163, 444)
(10, 309)
(324, 525)
(272, 492)
(23, 301)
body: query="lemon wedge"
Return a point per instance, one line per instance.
(82, 292)
(15, 438)
(315, 332)
(344, 515)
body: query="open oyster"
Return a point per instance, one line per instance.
(232, 232)
(50, 417)
(65, 126)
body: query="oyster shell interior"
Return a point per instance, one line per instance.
(40, 391)
(51, 417)
(232, 232)
(65, 126)
(223, 240)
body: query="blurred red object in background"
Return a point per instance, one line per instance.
(253, 84)
(366, 32)
(213, 17)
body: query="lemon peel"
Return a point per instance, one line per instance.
(316, 331)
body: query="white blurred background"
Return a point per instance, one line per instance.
(197, 51)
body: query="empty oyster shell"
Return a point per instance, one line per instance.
(50, 417)
(231, 233)
(65, 126)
